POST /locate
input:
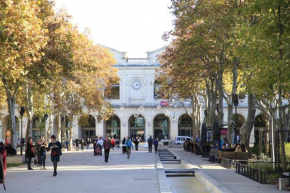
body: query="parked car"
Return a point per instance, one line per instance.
(179, 140)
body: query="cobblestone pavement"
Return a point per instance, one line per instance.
(82, 172)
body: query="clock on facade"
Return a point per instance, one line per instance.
(136, 84)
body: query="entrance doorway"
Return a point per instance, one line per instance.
(113, 127)
(161, 127)
(185, 125)
(137, 127)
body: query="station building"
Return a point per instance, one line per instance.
(139, 109)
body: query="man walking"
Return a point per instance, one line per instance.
(150, 142)
(128, 144)
(156, 144)
(136, 142)
(107, 146)
(77, 144)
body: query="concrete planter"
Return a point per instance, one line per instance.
(16, 159)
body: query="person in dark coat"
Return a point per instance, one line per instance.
(156, 144)
(136, 142)
(29, 152)
(3, 164)
(82, 144)
(150, 142)
(55, 148)
(123, 145)
(77, 144)
(107, 146)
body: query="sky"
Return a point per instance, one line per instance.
(132, 26)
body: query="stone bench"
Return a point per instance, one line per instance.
(234, 155)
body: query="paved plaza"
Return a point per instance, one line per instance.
(80, 171)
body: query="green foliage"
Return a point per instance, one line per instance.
(263, 162)
(287, 151)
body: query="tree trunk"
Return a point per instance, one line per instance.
(71, 131)
(230, 121)
(59, 127)
(220, 103)
(48, 133)
(11, 108)
(29, 110)
(246, 130)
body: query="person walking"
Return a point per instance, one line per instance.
(123, 145)
(156, 144)
(29, 152)
(77, 144)
(136, 142)
(3, 164)
(128, 144)
(107, 146)
(150, 142)
(88, 143)
(55, 148)
(43, 146)
(38, 153)
(113, 144)
(82, 144)
(101, 142)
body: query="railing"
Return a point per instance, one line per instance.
(255, 174)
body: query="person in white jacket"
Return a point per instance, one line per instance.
(101, 142)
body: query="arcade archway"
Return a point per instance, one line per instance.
(161, 126)
(137, 127)
(185, 125)
(113, 127)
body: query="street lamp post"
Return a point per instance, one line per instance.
(22, 111)
(236, 103)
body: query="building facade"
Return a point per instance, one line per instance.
(139, 109)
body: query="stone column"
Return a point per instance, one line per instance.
(100, 130)
(124, 130)
(173, 129)
(148, 130)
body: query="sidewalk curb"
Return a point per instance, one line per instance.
(211, 183)
(214, 185)
(163, 183)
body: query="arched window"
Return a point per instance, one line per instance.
(241, 120)
(113, 122)
(113, 92)
(137, 121)
(184, 121)
(260, 121)
(35, 123)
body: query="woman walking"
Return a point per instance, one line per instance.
(29, 152)
(55, 148)
(123, 145)
(43, 147)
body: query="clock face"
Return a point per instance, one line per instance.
(136, 85)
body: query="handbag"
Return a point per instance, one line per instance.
(59, 151)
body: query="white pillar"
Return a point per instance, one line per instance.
(148, 130)
(100, 128)
(124, 130)
(173, 129)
